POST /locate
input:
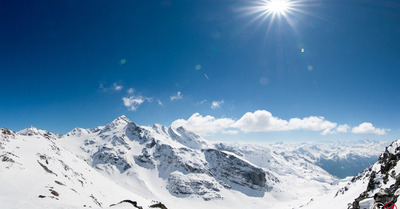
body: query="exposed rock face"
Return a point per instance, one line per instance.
(182, 159)
(6, 132)
(200, 185)
(145, 159)
(107, 156)
(135, 132)
(5, 136)
(158, 205)
(383, 182)
(232, 170)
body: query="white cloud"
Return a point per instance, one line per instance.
(264, 121)
(130, 91)
(117, 87)
(313, 123)
(177, 96)
(216, 104)
(205, 125)
(260, 121)
(134, 101)
(368, 128)
(159, 102)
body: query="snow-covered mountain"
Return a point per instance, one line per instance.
(376, 186)
(339, 158)
(380, 183)
(120, 161)
(36, 171)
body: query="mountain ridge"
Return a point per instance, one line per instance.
(177, 167)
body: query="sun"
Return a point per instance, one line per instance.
(276, 15)
(277, 7)
(274, 10)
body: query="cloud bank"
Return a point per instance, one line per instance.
(264, 121)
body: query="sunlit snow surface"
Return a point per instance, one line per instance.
(107, 164)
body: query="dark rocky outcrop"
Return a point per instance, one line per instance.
(133, 203)
(378, 177)
(201, 185)
(107, 155)
(158, 205)
(234, 171)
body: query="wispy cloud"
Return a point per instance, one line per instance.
(159, 102)
(216, 104)
(264, 121)
(117, 87)
(178, 96)
(134, 101)
(114, 87)
(368, 128)
(201, 102)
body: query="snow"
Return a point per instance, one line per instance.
(122, 160)
(47, 176)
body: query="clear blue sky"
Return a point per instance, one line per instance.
(67, 64)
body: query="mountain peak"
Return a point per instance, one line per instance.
(6, 131)
(29, 131)
(78, 132)
(160, 128)
(35, 131)
(122, 118)
(117, 123)
(187, 138)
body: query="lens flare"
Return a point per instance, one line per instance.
(278, 7)
(272, 11)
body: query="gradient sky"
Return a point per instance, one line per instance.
(330, 66)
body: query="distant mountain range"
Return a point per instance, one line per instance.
(123, 163)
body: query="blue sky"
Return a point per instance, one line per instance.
(329, 70)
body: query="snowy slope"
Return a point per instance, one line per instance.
(377, 185)
(175, 164)
(382, 180)
(340, 158)
(184, 164)
(104, 165)
(35, 170)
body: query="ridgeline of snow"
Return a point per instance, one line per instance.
(35, 172)
(120, 161)
(376, 186)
